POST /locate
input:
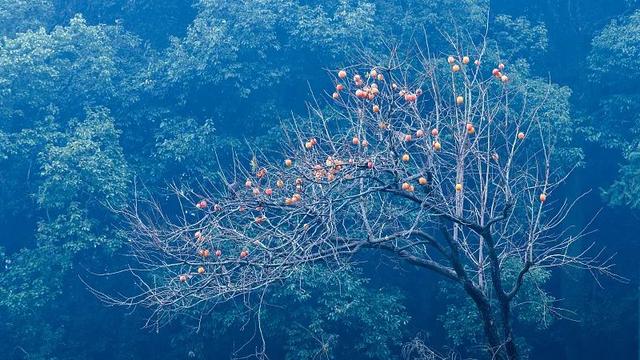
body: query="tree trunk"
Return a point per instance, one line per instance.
(504, 299)
(489, 324)
(502, 348)
(507, 331)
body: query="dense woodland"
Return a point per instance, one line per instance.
(101, 99)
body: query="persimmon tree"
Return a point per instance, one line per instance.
(441, 161)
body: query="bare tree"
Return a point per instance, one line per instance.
(416, 349)
(440, 161)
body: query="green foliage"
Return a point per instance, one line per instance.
(80, 171)
(616, 120)
(82, 175)
(518, 37)
(323, 314)
(89, 165)
(333, 29)
(612, 62)
(550, 104)
(616, 50)
(67, 68)
(18, 158)
(322, 305)
(468, 17)
(624, 191)
(244, 47)
(32, 279)
(221, 45)
(178, 138)
(21, 15)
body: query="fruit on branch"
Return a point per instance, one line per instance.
(336, 211)
(408, 97)
(202, 204)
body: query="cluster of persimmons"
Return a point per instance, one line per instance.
(364, 88)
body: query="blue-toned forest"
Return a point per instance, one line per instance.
(351, 179)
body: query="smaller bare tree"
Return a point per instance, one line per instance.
(416, 349)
